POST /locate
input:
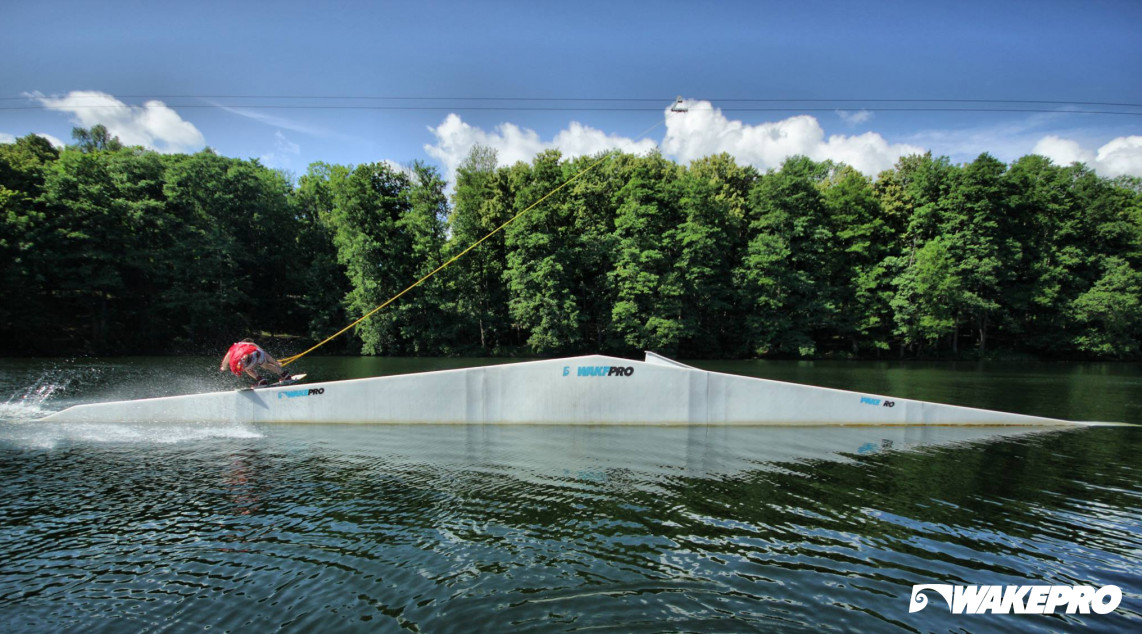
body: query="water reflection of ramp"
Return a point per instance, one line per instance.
(594, 453)
(589, 390)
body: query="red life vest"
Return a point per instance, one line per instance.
(239, 350)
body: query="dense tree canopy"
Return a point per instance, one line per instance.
(113, 249)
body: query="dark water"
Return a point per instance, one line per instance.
(495, 528)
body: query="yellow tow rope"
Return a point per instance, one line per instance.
(288, 360)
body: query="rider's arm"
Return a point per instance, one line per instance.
(225, 361)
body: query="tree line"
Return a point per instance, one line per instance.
(113, 249)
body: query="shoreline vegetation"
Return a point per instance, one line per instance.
(114, 250)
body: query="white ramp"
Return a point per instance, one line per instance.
(588, 390)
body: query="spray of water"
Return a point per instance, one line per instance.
(31, 401)
(36, 435)
(38, 391)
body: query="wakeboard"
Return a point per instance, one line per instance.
(290, 381)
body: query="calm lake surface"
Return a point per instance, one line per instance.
(134, 527)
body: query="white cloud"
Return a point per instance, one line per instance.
(51, 139)
(703, 130)
(1121, 156)
(285, 145)
(1062, 151)
(1006, 140)
(455, 139)
(869, 153)
(8, 138)
(581, 140)
(401, 169)
(152, 125)
(284, 151)
(282, 122)
(854, 118)
(699, 131)
(1118, 157)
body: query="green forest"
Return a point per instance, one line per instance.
(107, 249)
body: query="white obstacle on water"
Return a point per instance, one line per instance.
(587, 390)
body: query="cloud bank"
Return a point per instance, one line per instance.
(151, 125)
(1119, 157)
(455, 139)
(854, 118)
(703, 130)
(700, 131)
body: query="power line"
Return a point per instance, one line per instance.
(366, 97)
(575, 109)
(612, 99)
(654, 99)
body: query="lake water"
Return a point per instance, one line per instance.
(132, 527)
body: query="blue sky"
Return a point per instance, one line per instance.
(761, 80)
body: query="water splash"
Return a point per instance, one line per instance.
(22, 411)
(35, 435)
(31, 402)
(39, 390)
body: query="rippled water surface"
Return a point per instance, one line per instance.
(133, 527)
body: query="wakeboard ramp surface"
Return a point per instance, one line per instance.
(586, 390)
